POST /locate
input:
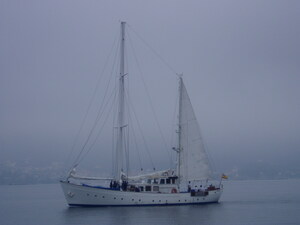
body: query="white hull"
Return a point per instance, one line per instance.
(78, 195)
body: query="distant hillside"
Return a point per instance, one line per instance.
(17, 173)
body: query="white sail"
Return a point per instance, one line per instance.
(194, 163)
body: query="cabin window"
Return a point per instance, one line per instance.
(141, 188)
(162, 181)
(149, 181)
(155, 188)
(173, 180)
(148, 188)
(155, 181)
(168, 181)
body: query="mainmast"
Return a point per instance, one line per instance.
(121, 109)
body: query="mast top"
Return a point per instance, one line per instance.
(180, 75)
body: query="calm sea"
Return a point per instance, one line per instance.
(243, 202)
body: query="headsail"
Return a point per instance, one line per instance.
(193, 162)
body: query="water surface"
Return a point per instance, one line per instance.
(243, 202)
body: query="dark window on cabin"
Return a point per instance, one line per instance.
(155, 188)
(173, 180)
(148, 188)
(168, 181)
(162, 181)
(149, 181)
(141, 188)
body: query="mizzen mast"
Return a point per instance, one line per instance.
(179, 149)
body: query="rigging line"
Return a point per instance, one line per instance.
(115, 113)
(99, 115)
(127, 137)
(210, 159)
(131, 122)
(135, 141)
(91, 101)
(151, 104)
(126, 147)
(204, 146)
(173, 121)
(143, 137)
(152, 49)
(113, 130)
(113, 146)
(91, 132)
(101, 128)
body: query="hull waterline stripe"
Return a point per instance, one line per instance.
(141, 205)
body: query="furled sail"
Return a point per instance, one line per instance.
(194, 163)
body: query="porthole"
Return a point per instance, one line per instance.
(132, 199)
(102, 196)
(88, 194)
(152, 200)
(178, 200)
(159, 200)
(121, 198)
(139, 200)
(95, 195)
(114, 197)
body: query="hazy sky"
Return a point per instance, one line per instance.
(240, 60)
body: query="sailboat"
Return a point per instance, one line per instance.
(189, 183)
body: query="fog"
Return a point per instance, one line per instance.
(239, 59)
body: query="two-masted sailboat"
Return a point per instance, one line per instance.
(189, 183)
